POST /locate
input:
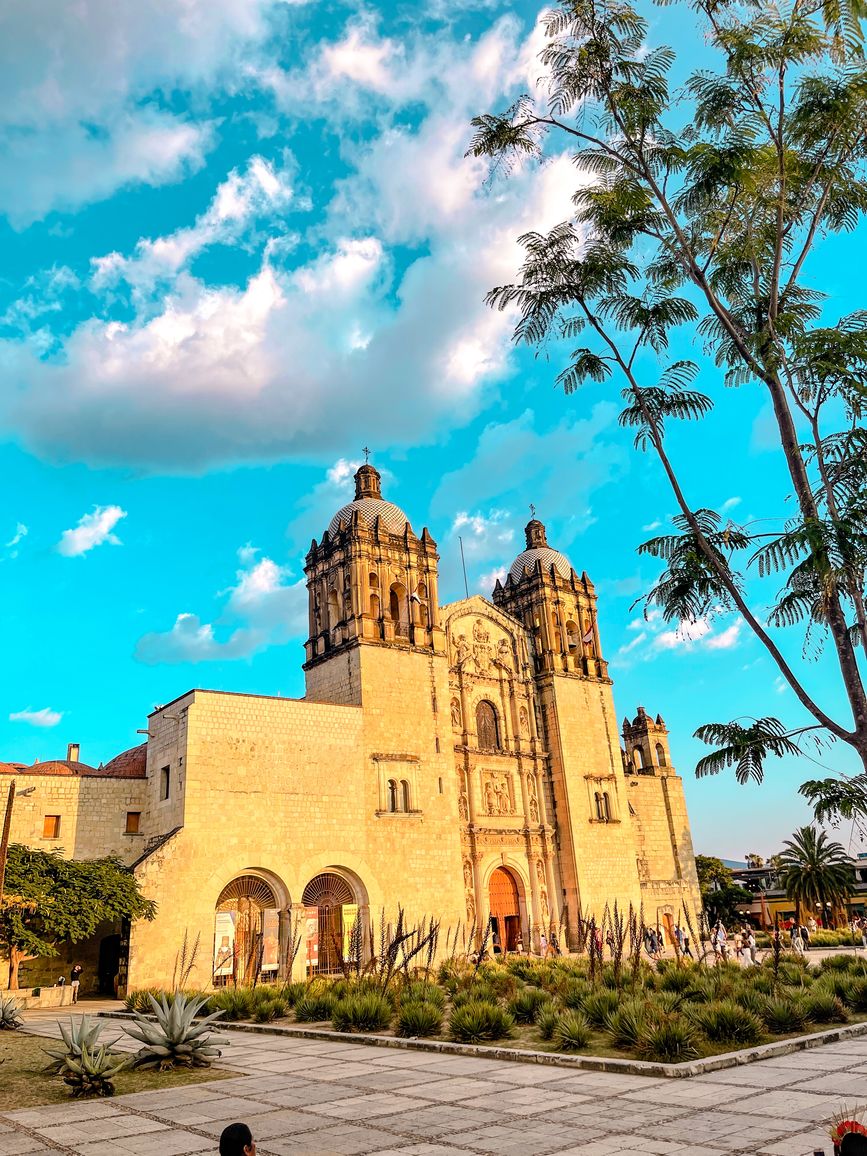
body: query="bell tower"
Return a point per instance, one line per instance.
(371, 582)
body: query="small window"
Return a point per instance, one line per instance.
(133, 822)
(51, 827)
(392, 795)
(606, 806)
(441, 784)
(165, 782)
(638, 758)
(404, 795)
(660, 755)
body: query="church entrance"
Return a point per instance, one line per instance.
(504, 900)
(330, 916)
(246, 932)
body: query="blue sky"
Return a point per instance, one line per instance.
(241, 241)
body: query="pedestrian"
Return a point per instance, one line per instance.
(237, 1140)
(555, 946)
(751, 945)
(75, 981)
(543, 944)
(687, 953)
(650, 943)
(805, 938)
(795, 937)
(609, 942)
(864, 934)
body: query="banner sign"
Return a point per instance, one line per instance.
(270, 939)
(349, 913)
(311, 935)
(224, 943)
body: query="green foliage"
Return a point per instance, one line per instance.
(272, 1007)
(314, 1007)
(93, 1072)
(420, 992)
(720, 895)
(671, 1039)
(823, 1007)
(236, 1003)
(598, 1006)
(528, 1003)
(547, 1022)
(840, 963)
(478, 1020)
(726, 1022)
(173, 1037)
(625, 1025)
(814, 870)
(10, 1019)
(839, 984)
(362, 1012)
(857, 995)
(752, 1000)
(478, 992)
(50, 899)
(573, 993)
(81, 1033)
(572, 1032)
(419, 1018)
(673, 978)
(784, 1014)
(293, 992)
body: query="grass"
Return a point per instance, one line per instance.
(24, 1085)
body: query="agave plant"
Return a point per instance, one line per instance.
(92, 1073)
(175, 1038)
(10, 1019)
(81, 1034)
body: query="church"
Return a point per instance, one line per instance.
(460, 761)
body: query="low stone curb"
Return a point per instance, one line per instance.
(555, 1059)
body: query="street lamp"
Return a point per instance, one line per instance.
(7, 824)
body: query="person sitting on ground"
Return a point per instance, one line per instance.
(237, 1140)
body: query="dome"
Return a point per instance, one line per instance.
(369, 509)
(538, 550)
(370, 505)
(527, 560)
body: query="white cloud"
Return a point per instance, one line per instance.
(37, 718)
(93, 529)
(653, 634)
(728, 638)
(263, 608)
(83, 88)
(21, 532)
(729, 504)
(293, 361)
(651, 526)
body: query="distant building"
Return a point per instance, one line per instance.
(770, 900)
(461, 760)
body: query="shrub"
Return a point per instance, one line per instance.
(726, 1022)
(274, 1007)
(174, 1037)
(572, 1032)
(665, 1002)
(479, 1020)
(626, 1023)
(839, 963)
(547, 1022)
(419, 992)
(823, 1007)
(477, 992)
(93, 1072)
(751, 1001)
(292, 992)
(598, 1006)
(236, 1003)
(794, 976)
(419, 1018)
(362, 1012)
(138, 1000)
(857, 995)
(671, 1039)
(784, 1014)
(573, 992)
(527, 1004)
(10, 1020)
(81, 1033)
(314, 1007)
(675, 979)
(500, 979)
(529, 970)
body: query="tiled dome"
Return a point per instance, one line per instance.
(370, 505)
(369, 509)
(527, 560)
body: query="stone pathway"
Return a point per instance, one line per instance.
(312, 1097)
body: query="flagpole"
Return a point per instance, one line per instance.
(464, 566)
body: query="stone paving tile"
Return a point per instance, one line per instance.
(528, 1101)
(337, 1073)
(61, 1113)
(422, 1150)
(114, 1128)
(276, 1123)
(530, 1137)
(437, 1120)
(175, 1143)
(372, 1104)
(746, 1075)
(345, 1141)
(684, 1092)
(16, 1144)
(803, 1144)
(454, 1088)
(835, 1084)
(798, 1105)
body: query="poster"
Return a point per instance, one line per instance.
(311, 936)
(270, 939)
(224, 943)
(349, 913)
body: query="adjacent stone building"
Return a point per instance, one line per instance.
(460, 761)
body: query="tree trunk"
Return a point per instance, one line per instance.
(16, 958)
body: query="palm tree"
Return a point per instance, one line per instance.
(814, 871)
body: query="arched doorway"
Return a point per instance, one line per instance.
(504, 902)
(246, 932)
(332, 911)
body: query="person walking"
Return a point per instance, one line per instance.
(864, 933)
(543, 944)
(237, 1140)
(686, 951)
(805, 938)
(75, 981)
(751, 945)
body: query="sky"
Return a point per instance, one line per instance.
(241, 240)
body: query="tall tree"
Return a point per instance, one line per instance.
(720, 895)
(700, 210)
(815, 872)
(50, 900)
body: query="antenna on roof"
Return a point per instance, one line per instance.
(464, 566)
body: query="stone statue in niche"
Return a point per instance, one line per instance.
(504, 652)
(471, 910)
(540, 872)
(462, 650)
(498, 794)
(468, 874)
(463, 809)
(523, 721)
(534, 809)
(481, 646)
(456, 714)
(543, 903)
(490, 798)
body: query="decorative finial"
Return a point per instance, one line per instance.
(532, 510)
(366, 453)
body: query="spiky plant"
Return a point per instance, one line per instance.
(175, 1038)
(80, 1034)
(10, 1019)
(93, 1072)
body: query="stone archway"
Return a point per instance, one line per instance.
(246, 932)
(504, 900)
(332, 909)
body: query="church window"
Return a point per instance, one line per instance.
(638, 758)
(133, 822)
(660, 755)
(606, 806)
(404, 795)
(374, 606)
(398, 609)
(373, 579)
(572, 636)
(165, 782)
(392, 795)
(51, 827)
(487, 729)
(333, 608)
(600, 811)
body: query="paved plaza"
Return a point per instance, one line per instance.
(311, 1097)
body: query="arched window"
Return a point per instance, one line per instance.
(572, 636)
(600, 810)
(392, 795)
(398, 609)
(638, 758)
(374, 606)
(404, 795)
(660, 755)
(333, 608)
(606, 807)
(487, 730)
(373, 580)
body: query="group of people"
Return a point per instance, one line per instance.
(742, 943)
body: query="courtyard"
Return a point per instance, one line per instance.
(312, 1097)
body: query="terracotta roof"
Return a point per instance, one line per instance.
(127, 765)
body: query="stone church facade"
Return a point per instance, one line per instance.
(462, 761)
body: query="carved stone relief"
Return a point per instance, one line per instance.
(482, 652)
(456, 714)
(532, 800)
(498, 793)
(523, 721)
(504, 653)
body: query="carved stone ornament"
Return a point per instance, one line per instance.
(471, 910)
(540, 872)
(504, 653)
(524, 721)
(498, 793)
(462, 650)
(468, 874)
(463, 808)
(482, 651)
